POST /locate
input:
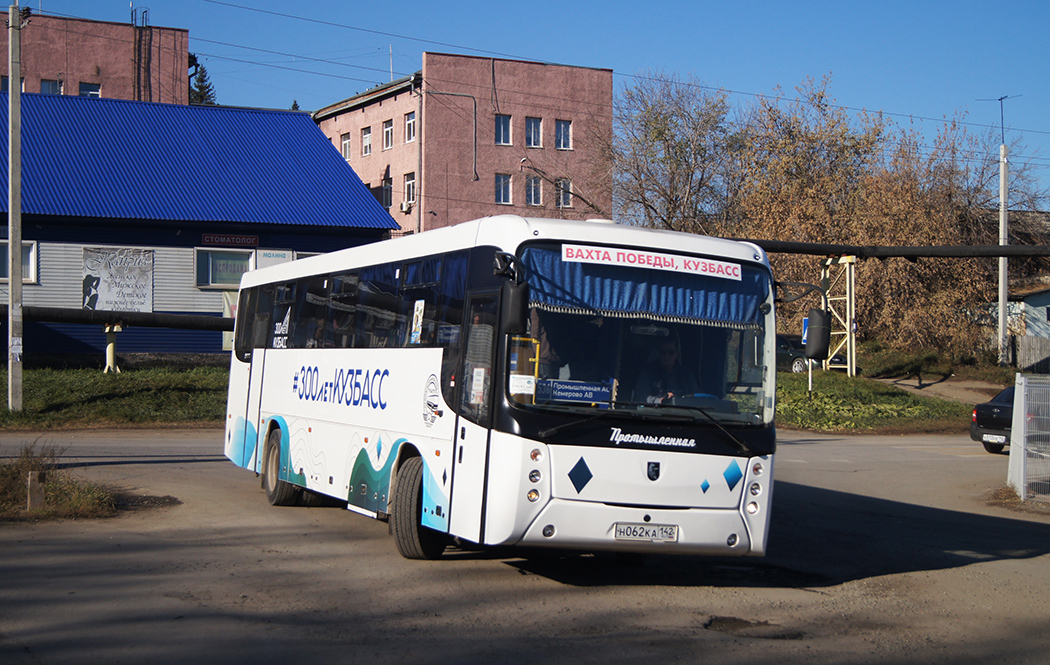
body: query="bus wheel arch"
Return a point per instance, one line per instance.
(413, 540)
(278, 492)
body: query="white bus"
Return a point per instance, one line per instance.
(521, 382)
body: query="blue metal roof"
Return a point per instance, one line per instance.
(111, 158)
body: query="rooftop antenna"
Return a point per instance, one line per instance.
(1002, 124)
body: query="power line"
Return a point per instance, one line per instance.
(636, 77)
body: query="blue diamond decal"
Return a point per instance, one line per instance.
(580, 475)
(705, 486)
(732, 474)
(379, 448)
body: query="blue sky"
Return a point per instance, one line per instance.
(920, 61)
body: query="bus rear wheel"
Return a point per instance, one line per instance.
(414, 541)
(278, 492)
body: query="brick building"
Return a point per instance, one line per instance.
(467, 137)
(68, 56)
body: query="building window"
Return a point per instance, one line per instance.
(563, 134)
(502, 130)
(366, 141)
(50, 87)
(388, 134)
(387, 194)
(410, 127)
(221, 268)
(503, 189)
(533, 190)
(410, 188)
(90, 90)
(4, 84)
(345, 139)
(563, 192)
(533, 133)
(28, 262)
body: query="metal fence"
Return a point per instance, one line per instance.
(1029, 472)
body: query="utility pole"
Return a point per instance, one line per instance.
(1004, 239)
(1004, 231)
(15, 23)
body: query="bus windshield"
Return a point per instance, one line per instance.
(668, 335)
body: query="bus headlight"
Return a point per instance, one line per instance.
(755, 489)
(536, 455)
(752, 508)
(757, 468)
(535, 476)
(533, 495)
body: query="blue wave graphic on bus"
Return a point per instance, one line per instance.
(287, 473)
(370, 487)
(241, 448)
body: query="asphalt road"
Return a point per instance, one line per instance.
(883, 550)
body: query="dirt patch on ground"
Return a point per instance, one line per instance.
(1006, 497)
(949, 388)
(133, 503)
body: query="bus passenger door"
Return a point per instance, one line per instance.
(251, 418)
(477, 382)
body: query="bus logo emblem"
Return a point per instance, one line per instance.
(431, 412)
(653, 470)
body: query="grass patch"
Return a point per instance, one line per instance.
(64, 495)
(87, 398)
(840, 404)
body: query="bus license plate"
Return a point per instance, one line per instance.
(665, 533)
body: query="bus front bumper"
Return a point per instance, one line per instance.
(586, 526)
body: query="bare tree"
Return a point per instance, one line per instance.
(668, 154)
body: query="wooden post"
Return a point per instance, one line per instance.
(36, 490)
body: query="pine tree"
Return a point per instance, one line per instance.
(202, 92)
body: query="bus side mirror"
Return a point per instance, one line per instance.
(818, 335)
(515, 308)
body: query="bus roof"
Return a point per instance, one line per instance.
(507, 232)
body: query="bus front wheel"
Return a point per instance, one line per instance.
(278, 492)
(414, 541)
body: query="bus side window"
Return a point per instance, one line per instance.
(281, 323)
(478, 361)
(451, 297)
(243, 337)
(262, 327)
(342, 310)
(311, 307)
(378, 316)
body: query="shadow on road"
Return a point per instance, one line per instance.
(821, 538)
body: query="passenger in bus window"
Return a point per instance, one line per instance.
(664, 378)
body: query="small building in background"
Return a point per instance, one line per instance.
(78, 57)
(467, 137)
(147, 207)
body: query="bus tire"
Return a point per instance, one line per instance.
(278, 492)
(414, 541)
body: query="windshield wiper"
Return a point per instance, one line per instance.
(740, 445)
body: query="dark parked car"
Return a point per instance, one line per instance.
(991, 421)
(791, 354)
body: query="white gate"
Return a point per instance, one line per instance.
(1029, 472)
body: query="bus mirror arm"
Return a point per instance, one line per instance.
(505, 265)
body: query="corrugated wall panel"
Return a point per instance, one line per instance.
(61, 273)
